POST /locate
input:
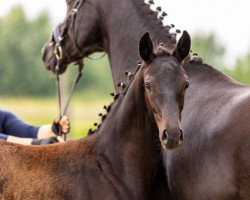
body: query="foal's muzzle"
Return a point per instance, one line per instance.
(171, 139)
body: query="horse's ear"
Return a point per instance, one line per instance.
(146, 48)
(183, 47)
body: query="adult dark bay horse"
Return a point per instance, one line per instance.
(213, 162)
(97, 25)
(120, 160)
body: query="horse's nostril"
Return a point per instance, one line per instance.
(164, 135)
(181, 135)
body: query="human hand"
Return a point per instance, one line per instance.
(62, 124)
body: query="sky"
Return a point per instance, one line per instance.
(228, 19)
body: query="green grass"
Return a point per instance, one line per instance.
(36, 111)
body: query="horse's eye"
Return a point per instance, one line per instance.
(186, 86)
(147, 86)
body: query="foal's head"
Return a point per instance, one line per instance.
(165, 83)
(77, 36)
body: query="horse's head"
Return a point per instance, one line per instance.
(165, 83)
(77, 36)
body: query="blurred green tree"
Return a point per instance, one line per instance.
(21, 68)
(208, 47)
(97, 79)
(213, 53)
(241, 71)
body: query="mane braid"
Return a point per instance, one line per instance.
(167, 28)
(124, 91)
(143, 7)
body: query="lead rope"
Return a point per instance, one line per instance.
(58, 54)
(78, 77)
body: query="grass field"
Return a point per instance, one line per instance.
(83, 112)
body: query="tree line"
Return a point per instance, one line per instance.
(22, 72)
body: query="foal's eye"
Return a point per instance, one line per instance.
(186, 86)
(147, 86)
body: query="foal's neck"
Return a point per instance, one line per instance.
(127, 145)
(126, 22)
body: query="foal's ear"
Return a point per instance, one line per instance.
(183, 47)
(146, 48)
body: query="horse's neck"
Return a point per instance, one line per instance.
(127, 149)
(126, 22)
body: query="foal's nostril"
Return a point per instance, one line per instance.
(164, 135)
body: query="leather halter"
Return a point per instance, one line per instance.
(58, 35)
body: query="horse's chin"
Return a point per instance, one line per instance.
(50, 64)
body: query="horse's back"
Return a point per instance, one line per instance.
(37, 172)
(60, 172)
(20, 172)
